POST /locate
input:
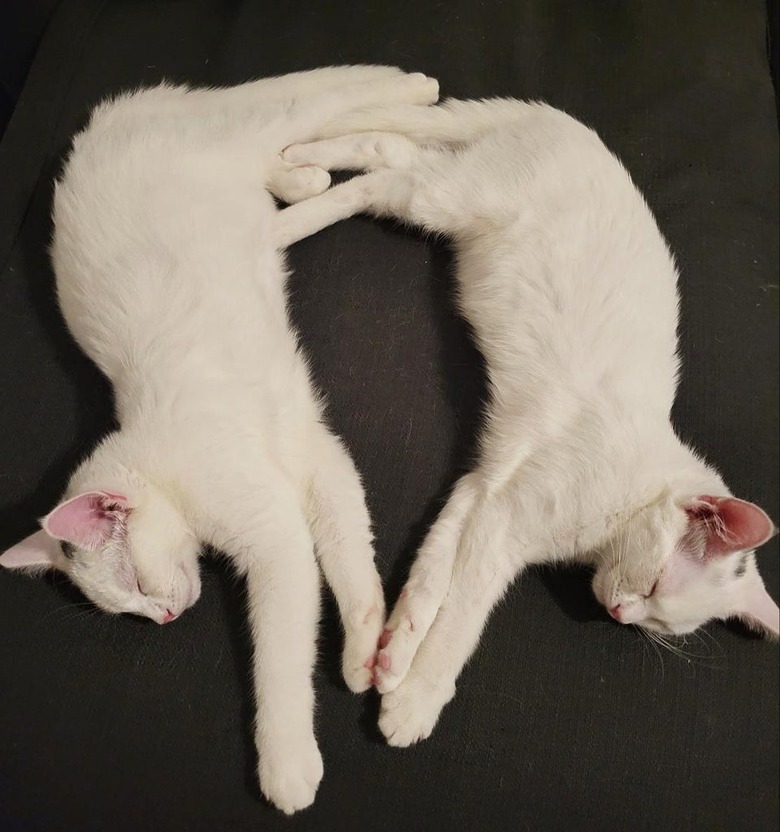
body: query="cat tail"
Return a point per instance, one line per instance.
(453, 121)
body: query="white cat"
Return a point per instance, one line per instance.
(572, 294)
(169, 274)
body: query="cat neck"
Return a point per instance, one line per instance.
(624, 477)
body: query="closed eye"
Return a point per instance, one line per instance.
(652, 590)
(138, 586)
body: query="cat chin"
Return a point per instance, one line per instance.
(662, 628)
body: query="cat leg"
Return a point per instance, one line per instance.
(352, 197)
(341, 528)
(284, 601)
(452, 122)
(414, 184)
(481, 575)
(268, 539)
(421, 597)
(305, 116)
(404, 185)
(362, 151)
(365, 151)
(371, 191)
(307, 83)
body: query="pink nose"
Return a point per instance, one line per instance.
(169, 616)
(616, 612)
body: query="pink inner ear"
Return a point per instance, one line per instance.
(88, 520)
(731, 525)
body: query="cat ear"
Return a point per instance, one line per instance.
(731, 525)
(88, 520)
(38, 551)
(757, 609)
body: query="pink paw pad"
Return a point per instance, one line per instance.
(383, 660)
(384, 639)
(370, 662)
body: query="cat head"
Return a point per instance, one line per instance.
(677, 564)
(126, 553)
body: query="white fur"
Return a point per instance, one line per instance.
(169, 274)
(572, 294)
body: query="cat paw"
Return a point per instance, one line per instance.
(400, 640)
(299, 183)
(424, 90)
(397, 649)
(410, 713)
(290, 774)
(360, 644)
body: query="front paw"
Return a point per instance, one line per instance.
(360, 645)
(290, 772)
(408, 624)
(411, 711)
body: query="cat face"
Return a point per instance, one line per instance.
(673, 568)
(136, 559)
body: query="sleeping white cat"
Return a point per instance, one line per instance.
(572, 294)
(169, 273)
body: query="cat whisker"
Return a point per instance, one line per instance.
(653, 644)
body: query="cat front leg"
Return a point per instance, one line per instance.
(410, 183)
(281, 89)
(481, 575)
(283, 610)
(306, 115)
(341, 529)
(265, 533)
(302, 169)
(385, 192)
(421, 597)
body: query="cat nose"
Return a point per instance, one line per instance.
(169, 616)
(616, 612)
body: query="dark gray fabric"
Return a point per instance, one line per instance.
(563, 720)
